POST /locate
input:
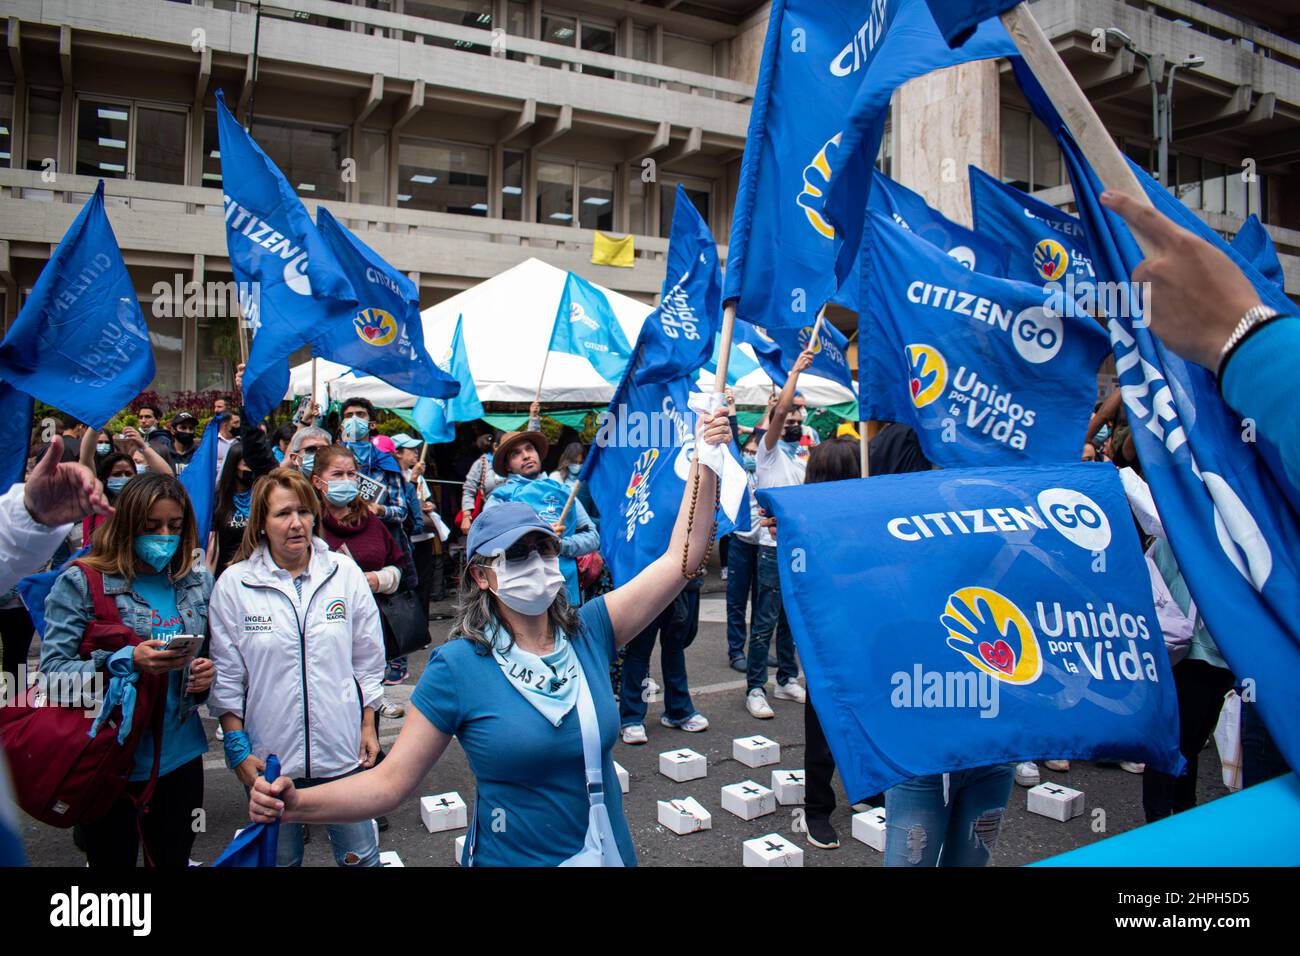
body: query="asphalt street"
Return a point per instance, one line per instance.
(718, 693)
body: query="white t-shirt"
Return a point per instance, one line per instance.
(777, 470)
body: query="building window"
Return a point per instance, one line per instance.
(442, 177)
(211, 175)
(555, 193)
(42, 128)
(698, 191)
(597, 38)
(636, 203)
(372, 168)
(1031, 158)
(1212, 187)
(596, 197)
(103, 138)
(575, 194)
(517, 21)
(118, 139)
(512, 185)
(465, 13)
(310, 157)
(687, 54)
(6, 124)
(161, 136)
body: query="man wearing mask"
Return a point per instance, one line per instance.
(182, 428)
(151, 427)
(303, 447)
(518, 459)
(227, 435)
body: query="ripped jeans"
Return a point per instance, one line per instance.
(354, 844)
(921, 830)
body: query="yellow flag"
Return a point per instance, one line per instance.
(612, 252)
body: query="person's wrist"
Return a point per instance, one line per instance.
(1250, 321)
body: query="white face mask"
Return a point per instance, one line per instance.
(528, 586)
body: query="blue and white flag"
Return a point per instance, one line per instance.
(200, 478)
(258, 843)
(16, 412)
(690, 306)
(958, 19)
(1040, 242)
(35, 588)
(828, 70)
(436, 418)
(1010, 617)
(1232, 525)
(1255, 245)
(291, 286)
(830, 358)
(739, 363)
(80, 342)
(585, 325)
(386, 336)
(977, 365)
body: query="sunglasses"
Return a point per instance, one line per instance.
(520, 550)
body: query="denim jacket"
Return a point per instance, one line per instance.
(69, 608)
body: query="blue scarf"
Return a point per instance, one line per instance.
(548, 683)
(791, 448)
(361, 451)
(242, 500)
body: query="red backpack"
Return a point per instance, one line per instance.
(62, 776)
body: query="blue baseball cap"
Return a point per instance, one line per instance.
(403, 440)
(500, 526)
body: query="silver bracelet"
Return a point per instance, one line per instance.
(1254, 316)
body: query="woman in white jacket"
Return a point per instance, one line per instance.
(297, 642)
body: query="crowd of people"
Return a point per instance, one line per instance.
(327, 551)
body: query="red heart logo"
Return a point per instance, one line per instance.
(916, 388)
(999, 655)
(372, 331)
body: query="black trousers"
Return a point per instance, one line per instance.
(818, 767)
(428, 567)
(113, 841)
(1200, 687)
(16, 632)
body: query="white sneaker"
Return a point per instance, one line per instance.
(634, 734)
(757, 705)
(220, 734)
(1027, 774)
(391, 710)
(790, 690)
(1132, 767)
(692, 724)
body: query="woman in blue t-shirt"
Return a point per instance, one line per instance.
(522, 685)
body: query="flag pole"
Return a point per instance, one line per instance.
(573, 493)
(545, 361)
(1075, 109)
(817, 328)
(724, 346)
(312, 400)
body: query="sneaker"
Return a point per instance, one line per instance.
(381, 824)
(220, 734)
(391, 710)
(634, 734)
(821, 834)
(395, 674)
(692, 724)
(739, 664)
(1131, 767)
(1057, 766)
(790, 690)
(1027, 774)
(757, 705)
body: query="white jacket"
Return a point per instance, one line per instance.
(297, 671)
(25, 544)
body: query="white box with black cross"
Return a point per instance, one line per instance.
(459, 848)
(390, 858)
(869, 828)
(443, 811)
(772, 850)
(624, 781)
(1056, 801)
(748, 800)
(682, 765)
(684, 815)
(788, 785)
(756, 751)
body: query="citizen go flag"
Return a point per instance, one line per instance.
(585, 325)
(1010, 618)
(1255, 245)
(828, 70)
(436, 418)
(979, 366)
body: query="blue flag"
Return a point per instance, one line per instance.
(1040, 242)
(35, 588)
(911, 46)
(1255, 245)
(782, 346)
(739, 363)
(1232, 527)
(257, 843)
(1010, 617)
(586, 326)
(80, 342)
(693, 281)
(16, 411)
(200, 478)
(436, 418)
(11, 845)
(957, 19)
(977, 365)
(291, 286)
(386, 336)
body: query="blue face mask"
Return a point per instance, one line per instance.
(115, 485)
(308, 462)
(156, 550)
(342, 492)
(140, 469)
(574, 469)
(355, 429)
(103, 448)
(749, 461)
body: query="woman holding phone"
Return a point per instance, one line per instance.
(143, 557)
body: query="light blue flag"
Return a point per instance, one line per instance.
(830, 360)
(80, 342)
(16, 413)
(585, 325)
(1040, 242)
(200, 478)
(911, 45)
(977, 365)
(436, 418)
(1255, 245)
(739, 364)
(1233, 528)
(386, 336)
(690, 306)
(291, 287)
(1011, 617)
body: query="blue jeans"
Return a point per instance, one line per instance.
(676, 627)
(357, 840)
(769, 616)
(742, 589)
(920, 830)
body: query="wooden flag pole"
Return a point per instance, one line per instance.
(313, 381)
(1075, 109)
(817, 328)
(545, 361)
(243, 336)
(573, 493)
(864, 455)
(724, 346)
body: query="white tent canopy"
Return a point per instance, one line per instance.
(507, 324)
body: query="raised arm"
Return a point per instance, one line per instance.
(786, 400)
(155, 461)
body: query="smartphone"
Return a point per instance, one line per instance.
(189, 644)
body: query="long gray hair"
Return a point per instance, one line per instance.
(476, 612)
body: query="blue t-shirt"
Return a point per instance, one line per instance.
(182, 740)
(523, 765)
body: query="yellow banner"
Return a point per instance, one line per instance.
(612, 252)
